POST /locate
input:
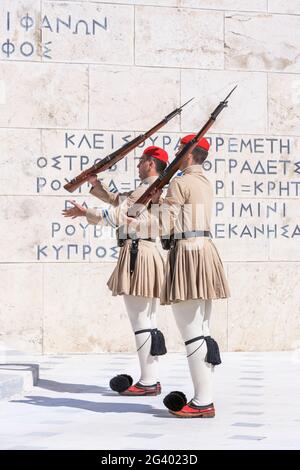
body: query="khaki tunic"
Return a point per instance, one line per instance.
(147, 278)
(194, 270)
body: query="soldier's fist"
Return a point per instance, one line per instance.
(92, 179)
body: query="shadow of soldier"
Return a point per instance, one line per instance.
(104, 407)
(70, 387)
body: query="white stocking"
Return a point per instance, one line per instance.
(192, 318)
(142, 315)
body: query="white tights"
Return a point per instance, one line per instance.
(142, 315)
(192, 318)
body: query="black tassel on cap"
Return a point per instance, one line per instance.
(158, 345)
(120, 383)
(175, 401)
(213, 353)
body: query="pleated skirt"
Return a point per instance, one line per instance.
(194, 271)
(148, 275)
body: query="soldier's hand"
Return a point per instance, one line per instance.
(76, 211)
(93, 180)
(129, 221)
(156, 196)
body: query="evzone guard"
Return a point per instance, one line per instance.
(138, 275)
(139, 272)
(194, 276)
(194, 273)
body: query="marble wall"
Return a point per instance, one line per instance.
(78, 79)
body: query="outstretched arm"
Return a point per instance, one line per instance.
(110, 218)
(101, 191)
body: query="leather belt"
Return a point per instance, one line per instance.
(191, 234)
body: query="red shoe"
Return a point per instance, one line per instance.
(193, 411)
(138, 390)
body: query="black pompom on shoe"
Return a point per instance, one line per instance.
(120, 383)
(175, 401)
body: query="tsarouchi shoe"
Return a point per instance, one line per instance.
(194, 411)
(142, 390)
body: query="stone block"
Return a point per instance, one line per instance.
(177, 37)
(133, 98)
(46, 95)
(21, 310)
(250, 42)
(263, 309)
(284, 104)
(247, 106)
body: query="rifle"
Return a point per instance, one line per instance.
(167, 174)
(117, 155)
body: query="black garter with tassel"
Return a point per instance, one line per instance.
(158, 345)
(213, 353)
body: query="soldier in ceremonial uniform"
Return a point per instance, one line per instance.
(194, 276)
(138, 275)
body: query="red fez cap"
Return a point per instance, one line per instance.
(203, 143)
(156, 152)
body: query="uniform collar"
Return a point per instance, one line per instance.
(149, 180)
(193, 169)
